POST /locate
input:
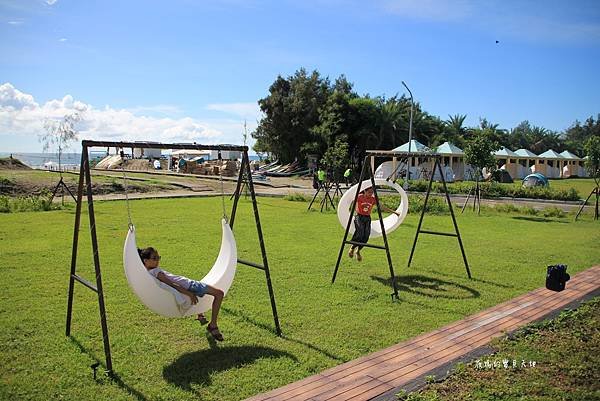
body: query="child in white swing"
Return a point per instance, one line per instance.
(186, 286)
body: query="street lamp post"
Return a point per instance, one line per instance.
(409, 134)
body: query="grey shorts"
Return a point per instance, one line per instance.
(198, 288)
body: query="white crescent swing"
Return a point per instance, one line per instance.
(165, 300)
(390, 223)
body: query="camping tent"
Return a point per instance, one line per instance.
(535, 180)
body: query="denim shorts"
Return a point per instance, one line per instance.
(198, 288)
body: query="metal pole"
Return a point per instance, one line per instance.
(95, 252)
(409, 134)
(75, 242)
(246, 163)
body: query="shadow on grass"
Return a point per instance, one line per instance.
(113, 377)
(271, 329)
(477, 280)
(430, 287)
(197, 367)
(538, 219)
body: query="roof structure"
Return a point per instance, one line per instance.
(525, 153)
(415, 147)
(447, 148)
(550, 154)
(505, 152)
(568, 155)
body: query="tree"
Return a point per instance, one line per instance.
(60, 134)
(336, 158)
(575, 137)
(592, 164)
(291, 111)
(592, 151)
(479, 153)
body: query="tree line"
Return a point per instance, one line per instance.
(308, 114)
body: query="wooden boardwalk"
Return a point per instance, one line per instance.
(381, 372)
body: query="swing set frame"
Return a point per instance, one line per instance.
(367, 173)
(86, 179)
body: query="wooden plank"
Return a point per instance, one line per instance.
(381, 371)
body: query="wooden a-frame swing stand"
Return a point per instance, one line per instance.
(85, 179)
(367, 173)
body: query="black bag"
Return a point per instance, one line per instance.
(557, 277)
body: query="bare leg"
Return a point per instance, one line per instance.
(216, 305)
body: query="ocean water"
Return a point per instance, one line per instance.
(68, 160)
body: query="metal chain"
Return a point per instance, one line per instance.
(126, 188)
(222, 188)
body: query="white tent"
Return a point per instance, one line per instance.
(553, 164)
(453, 162)
(526, 160)
(573, 165)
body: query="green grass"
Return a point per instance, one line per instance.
(561, 363)
(324, 325)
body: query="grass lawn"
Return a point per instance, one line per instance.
(583, 185)
(552, 360)
(324, 325)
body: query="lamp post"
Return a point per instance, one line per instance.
(409, 134)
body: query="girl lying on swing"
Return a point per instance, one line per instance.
(186, 286)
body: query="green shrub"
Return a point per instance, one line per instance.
(33, 203)
(435, 205)
(297, 197)
(553, 212)
(497, 190)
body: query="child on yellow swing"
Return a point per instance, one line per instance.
(362, 221)
(191, 288)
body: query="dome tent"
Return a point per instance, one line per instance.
(535, 180)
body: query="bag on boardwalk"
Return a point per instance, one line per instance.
(557, 277)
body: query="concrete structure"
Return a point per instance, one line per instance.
(420, 168)
(526, 160)
(550, 164)
(453, 161)
(573, 165)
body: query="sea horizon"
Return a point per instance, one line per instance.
(68, 159)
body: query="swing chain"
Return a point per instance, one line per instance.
(222, 189)
(122, 153)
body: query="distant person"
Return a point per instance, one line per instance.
(191, 288)
(347, 175)
(321, 175)
(362, 221)
(157, 164)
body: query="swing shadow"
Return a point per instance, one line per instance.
(113, 377)
(196, 368)
(263, 326)
(538, 219)
(428, 287)
(437, 272)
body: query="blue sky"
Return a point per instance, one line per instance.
(183, 70)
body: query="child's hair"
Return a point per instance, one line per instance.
(147, 253)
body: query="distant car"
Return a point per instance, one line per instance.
(535, 180)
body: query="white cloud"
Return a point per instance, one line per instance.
(51, 2)
(62, 39)
(18, 22)
(22, 116)
(250, 111)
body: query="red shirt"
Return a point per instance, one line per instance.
(364, 204)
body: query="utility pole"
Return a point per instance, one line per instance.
(409, 135)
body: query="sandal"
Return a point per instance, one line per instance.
(215, 333)
(202, 319)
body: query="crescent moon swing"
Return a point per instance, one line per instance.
(390, 223)
(164, 299)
